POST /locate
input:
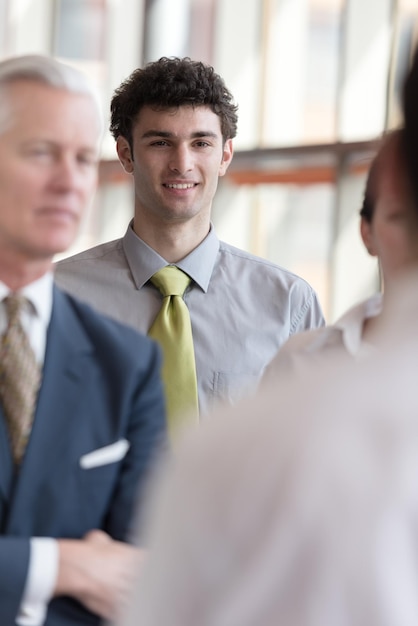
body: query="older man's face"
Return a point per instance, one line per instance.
(48, 169)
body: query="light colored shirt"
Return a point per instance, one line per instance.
(40, 581)
(308, 514)
(345, 336)
(242, 307)
(36, 316)
(43, 563)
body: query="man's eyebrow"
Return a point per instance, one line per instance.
(52, 143)
(156, 133)
(167, 135)
(204, 133)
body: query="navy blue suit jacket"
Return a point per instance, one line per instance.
(101, 384)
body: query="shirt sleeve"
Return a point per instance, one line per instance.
(40, 582)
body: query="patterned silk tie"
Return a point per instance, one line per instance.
(173, 330)
(19, 378)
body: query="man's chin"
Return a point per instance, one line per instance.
(50, 249)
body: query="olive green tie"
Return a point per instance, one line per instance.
(19, 377)
(173, 330)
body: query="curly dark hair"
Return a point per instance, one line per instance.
(171, 82)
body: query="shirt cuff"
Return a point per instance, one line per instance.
(40, 581)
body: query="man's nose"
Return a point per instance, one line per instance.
(67, 172)
(181, 160)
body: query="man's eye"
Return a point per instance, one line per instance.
(39, 152)
(87, 160)
(161, 142)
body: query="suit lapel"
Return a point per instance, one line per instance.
(6, 467)
(64, 374)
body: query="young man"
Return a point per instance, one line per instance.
(309, 514)
(78, 437)
(174, 122)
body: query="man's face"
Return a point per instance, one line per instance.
(178, 156)
(48, 169)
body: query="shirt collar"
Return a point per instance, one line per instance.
(351, 323)
(143, 261)
(39, 294)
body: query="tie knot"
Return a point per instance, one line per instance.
(14, 303)
(171, 281)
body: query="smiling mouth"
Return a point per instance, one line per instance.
(179, 185)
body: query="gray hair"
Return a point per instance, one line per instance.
(47, 71)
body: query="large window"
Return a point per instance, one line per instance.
(317, 82)
(80, 30)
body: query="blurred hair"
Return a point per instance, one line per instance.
(169, 83)
(369, 199)
(393, 140)
(410, 109)
(47, 71)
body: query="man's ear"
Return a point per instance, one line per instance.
(124, 153)
(228, 152)
(367, 236)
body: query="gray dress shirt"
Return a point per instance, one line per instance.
(242, 307)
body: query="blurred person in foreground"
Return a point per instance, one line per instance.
(309, 515)
(174, 122)
(385, 223)
(81, 400)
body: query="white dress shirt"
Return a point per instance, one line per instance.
(43, 563)
(345, 337)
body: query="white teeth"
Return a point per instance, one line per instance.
(180, 186)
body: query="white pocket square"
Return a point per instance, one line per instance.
(103, 456)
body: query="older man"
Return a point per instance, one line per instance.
(82, 411)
